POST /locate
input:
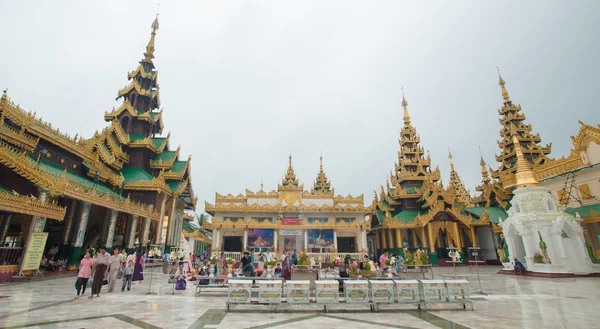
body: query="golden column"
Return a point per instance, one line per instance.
(423, 239)
(458, 242)
(431, 240)
(377, 239)
(399, 238)
(473, 236)
(383, 239)
(390, 238)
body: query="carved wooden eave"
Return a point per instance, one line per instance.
(157, 184)
(349, 199)
(182, 187)
(29, 205)
(115, 147)
(149, 144)
(229, 198)
(142, 72)
(291, 187)
(262, 194)
(207, 226)
(180, 174)
(115, 113)
(197, 236)
(17, 137)
(585, 136)
(134, 85)
(43, 130)
(122, 136)
(230, 207)
(160, 164)
(60, 185)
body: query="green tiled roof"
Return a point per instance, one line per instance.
(158, 141)
(166, 156)
(178, 166)
(174, 186)
(408, 216)
(153, 115)
(101, 188)
(136, 137)
(494, 212)
(135, 174)
(584, 210)
(5, 190)
(411, 189)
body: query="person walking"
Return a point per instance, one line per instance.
(102, 262)
(382, 260)
(138, 272)
(127, 274)
(116, 262)
(84, 274)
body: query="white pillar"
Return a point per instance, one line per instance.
(215, 232)
(306, 240)
(335, 249)
(365, 241)
(275, 238)
(245, 239)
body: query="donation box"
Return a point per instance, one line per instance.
(382, 291)
(408, 291)
(298, 291)
(269, 291)
(357, 291)
(240, 291)
(434, 290)
(327, 291)
(458, 290)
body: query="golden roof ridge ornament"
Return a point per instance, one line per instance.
(502, 84)
(524, 174)
(149, 54)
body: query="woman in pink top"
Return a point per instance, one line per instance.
(85, 272)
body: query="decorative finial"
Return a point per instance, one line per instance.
(290, 159)
(321, 162)
(524, 175)
(261, 183)
(451, 160)
(4, 97)
(405, 105)
(149, 54)
(502, 84)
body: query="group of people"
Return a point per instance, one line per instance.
(100, 265)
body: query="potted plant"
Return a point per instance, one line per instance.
(538, 258)
(230, 261)
(212, 262)
(337, 263)
(391, 262)
(369, 267)
(269, 263)
(409, 257)
(303, 259)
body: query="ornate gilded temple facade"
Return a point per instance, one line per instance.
(316, 221)
(414, 210)
(120, 187)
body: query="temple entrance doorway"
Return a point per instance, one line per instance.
(232, 243)
(346, 244)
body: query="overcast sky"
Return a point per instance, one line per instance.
(243, 83)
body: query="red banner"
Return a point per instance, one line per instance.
(291, 221)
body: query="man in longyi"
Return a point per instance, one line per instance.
(102, 262)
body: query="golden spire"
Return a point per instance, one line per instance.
(261, 183)
(322, 185)
(484, 173)
(290, 175)
(149, 54)
(524, 175)
(4, 98)
(405, 105)
(451, 161)
(502, 84)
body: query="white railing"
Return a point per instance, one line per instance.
(328, 257)
(235, 255)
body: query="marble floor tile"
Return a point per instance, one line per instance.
(508, 302)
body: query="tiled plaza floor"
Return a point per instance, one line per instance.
(511, 302)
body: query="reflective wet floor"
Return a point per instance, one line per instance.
(508, 302)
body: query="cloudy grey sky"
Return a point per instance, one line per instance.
(243, 83)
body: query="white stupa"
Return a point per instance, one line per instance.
(538, 232)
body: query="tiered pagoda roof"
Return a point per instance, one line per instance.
(290, 182)
(462, 195)
(414, 193)
(512, 118)
(322, 184)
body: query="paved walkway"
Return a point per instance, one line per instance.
(512, 302)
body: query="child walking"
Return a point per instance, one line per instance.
(127, 274)
(85, 272)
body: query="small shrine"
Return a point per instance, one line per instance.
(538, 231)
